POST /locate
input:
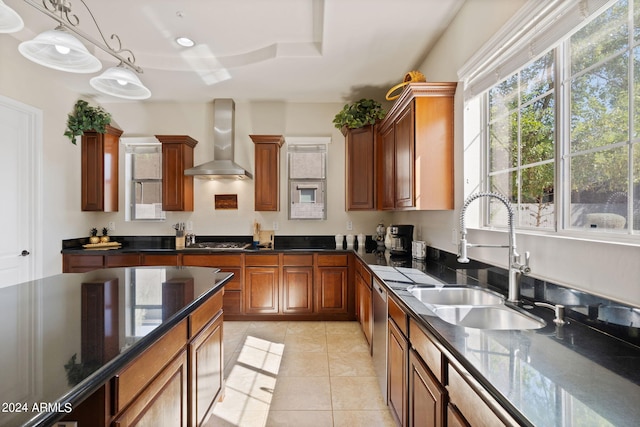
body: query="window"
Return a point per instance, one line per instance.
(144, 177)
(560, 133)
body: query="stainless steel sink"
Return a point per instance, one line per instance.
(456, 295)
(488, 317)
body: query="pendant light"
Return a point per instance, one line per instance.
(121, 82)
(10, 21)
(60, 50)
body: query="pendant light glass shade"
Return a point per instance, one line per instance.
(10, 21)
(120, 82)
(60, 50)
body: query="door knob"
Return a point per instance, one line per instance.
(24, 253)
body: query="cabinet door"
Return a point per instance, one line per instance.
(267, 171)
(261, 290)
(364, 308)
(163, 402)
(397, 359)
(154, 259)
(297, 290)
(404, 159)
(177, 188)
(99, 170)
(426, 395)
(331, 290)
(387, 178)
(206, 364)
(360, 158)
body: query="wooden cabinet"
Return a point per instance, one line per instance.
(360, 168)
(364, 308)
(99, 170)
(426, 396)
(297, 284)
(72, 263)
(227, 263)
(163, 402)
(397, 359)
(267, 171)
(177, 188)
(331, 280)
(206, 362)
(160, 259)
(387, 175)
(416, 149)
(261, 284)
(122, 260)
(471, 404)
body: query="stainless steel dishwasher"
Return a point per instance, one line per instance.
(380, 335)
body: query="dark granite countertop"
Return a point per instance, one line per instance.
(553, 376)
(52, 354)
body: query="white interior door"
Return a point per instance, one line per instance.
(20, 147)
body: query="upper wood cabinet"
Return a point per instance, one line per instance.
(416, 149)
(177, 188)
(100, 170)
(267, 172)
(360, 164)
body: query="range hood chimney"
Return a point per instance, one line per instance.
(223, 166)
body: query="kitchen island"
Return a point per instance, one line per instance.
(112, 345)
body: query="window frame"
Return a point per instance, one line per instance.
(562, 157)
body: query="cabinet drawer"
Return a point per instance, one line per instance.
(364, 272)
(127, 260)
(81, 263)
(205, 313)
(206, 260)
(295, 260)
(427, 350)
(398, 315)
(235, 284)
(261, 260)
(154, 259)
(137, 374)
(475, 410)
(333, 260)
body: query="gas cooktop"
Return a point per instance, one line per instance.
(219, 245)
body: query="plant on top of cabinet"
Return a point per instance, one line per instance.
(358, 114)
(85, 117)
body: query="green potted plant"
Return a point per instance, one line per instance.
(358, 114)
(84, 118)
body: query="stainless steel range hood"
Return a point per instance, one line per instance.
(223, 166)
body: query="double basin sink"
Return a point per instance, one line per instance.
(474, 307)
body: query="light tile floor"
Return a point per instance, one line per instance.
(300, 374)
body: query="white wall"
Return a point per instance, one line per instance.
(606, 269)
(35, 85)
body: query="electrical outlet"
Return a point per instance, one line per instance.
(111, 226)
(454, 236)
(275, 225)
(349, 225)
(189, 225)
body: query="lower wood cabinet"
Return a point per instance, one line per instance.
(261, 290)
(426, 395)
(163, 402)
(331, 290)
(206, 361)
(297, 289)
(397, 359)
(364, 307)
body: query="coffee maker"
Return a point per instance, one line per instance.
(401, 238)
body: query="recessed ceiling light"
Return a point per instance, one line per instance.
(185, 42)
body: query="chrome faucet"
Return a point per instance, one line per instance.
(515, 266)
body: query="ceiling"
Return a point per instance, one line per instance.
(284, 50)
